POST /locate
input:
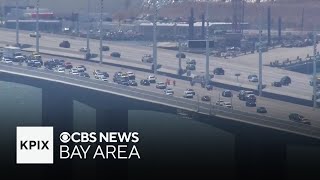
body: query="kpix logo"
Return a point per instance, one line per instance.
(34, 145)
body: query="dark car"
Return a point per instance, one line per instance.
(299, 118)
(251, 103)
(65, 44)
(191, 67)
(286, 80)
(84, 74)
(191, 61)
(182, 55)
(105, 74)
(209, 87)
(226, 93)
(261, 110)
(205, 98)
(145, 82)
(115, 54)
(105, 48)
(276, 84)
(68, 65)
(133, 83)
(218, 71)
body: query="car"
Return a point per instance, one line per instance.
(161, 85)
(152, 79)
(219, 103)
(205, 98)
(131, 75)
(261, 110)
(276, 84)
(253, 79)
(68, 65)
(187, 94)
(168, 91)
(7, 61)
(218, 71)
(252, 76)
(115, 54)
(243, 94)
(103, 78)
(124, 82)
(285, 81)
(227, 93)
(83, 49)
(191, 67)
(74, 71)
(181, 55)
(251, 103)
(34, 34)
(105, 74)
(191, 61)
(98, 75)
(81, 68)
(190, 91)
(133, 83)
(227, 104)
(19, 59)
(299, 118)
(60, 70)
(65, 44)
(34, 63)
(84, 74)
(147, 58)
(209, 86)
(145, 82)
(250, 97)
(105, 48)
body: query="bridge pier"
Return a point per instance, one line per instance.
(260, 156)
(112, 120)
(57, 111)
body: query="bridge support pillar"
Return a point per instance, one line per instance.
(112, 120)
(57, 111)
(259, 156)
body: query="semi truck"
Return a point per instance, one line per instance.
(11, 52)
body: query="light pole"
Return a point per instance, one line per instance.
(37, 28)
(155, 14)
(88, 33)
(180, 50)
(207, 43)
(101, 9)
(17, 24)
(260, 55)
(314, 71)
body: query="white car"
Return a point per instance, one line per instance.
(227, 104)
(98, 75)
(7, 61)
(190, 91)
(253, 79)
(220, 103)
(161, 85)
(152, 79)
(83, 49)
(60, 70)
(169, 92)
(131, 75)
(103, 78)
(74, 71)
(81, 68)
(188, 95)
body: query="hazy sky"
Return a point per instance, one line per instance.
(76, 5)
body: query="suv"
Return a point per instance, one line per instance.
(276, 84)
(299, 118)
(115, 54)
(286, 80)
(243, 94)
(251, 103)
(152, 79)
(105, 48)
(147, 58)
(227, 93)
(145, 82)
(190, 67)
(65, 44)
(34, 34)
(218, 71)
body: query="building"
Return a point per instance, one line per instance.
(30, 25)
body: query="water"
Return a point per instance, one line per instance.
(165, 139)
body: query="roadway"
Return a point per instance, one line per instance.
(131, 55)
(277, 109)
(150, 94)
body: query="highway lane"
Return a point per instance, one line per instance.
(245, 65)
(275, 108)
(171, 101)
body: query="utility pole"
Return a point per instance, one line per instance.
(17, 24)
(260, 55)
(88, 55)
(207, 43)
(37, 28)
(155, 63)
(314, 71)
(101, 9)
(180, 68)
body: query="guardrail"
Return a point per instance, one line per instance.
(171, 101)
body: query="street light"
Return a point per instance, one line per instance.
(17, 24)
(88, 55)
(314, 71)
(37, 27)
(207, 43)
(101, 9)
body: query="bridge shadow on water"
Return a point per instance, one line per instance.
(171, 146)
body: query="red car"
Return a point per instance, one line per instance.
(68, 65)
